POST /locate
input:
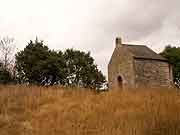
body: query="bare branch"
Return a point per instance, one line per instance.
(7, 49)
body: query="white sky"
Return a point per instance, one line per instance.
(92, 25)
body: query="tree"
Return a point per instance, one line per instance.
(173, 56)
(5, 76)
(81, 70)
(36, 64)
(53, 68)
(7, 50)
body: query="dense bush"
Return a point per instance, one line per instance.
(5, 77)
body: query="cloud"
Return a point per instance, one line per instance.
(138, 19)
(92, 25)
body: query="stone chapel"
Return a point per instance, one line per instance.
(137, 66)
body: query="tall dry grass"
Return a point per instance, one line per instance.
(58, 111)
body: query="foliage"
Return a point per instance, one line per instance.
(37, 64)
(5, 76)
(173, 56)
(54, 68)
(81, 70)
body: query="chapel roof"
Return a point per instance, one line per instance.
(143, 52)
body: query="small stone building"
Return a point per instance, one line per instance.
(137, 66)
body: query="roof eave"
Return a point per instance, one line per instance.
(144, 58)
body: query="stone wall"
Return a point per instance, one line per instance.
(121, 64)
(152, 73)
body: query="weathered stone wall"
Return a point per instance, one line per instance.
(152, 73)
(121, 64)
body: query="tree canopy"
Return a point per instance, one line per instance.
(37, 64)
(173, 56)
(81, 70)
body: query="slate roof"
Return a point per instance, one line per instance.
(143, 52)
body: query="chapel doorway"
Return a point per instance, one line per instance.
(120, 82)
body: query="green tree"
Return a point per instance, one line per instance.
(173, 56)
(54, 68)
(81, 70)
(37, 64)
(5, 76)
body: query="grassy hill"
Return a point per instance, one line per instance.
(57, 111)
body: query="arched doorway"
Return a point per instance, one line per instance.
(119, 82)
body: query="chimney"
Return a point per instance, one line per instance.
(118, 42)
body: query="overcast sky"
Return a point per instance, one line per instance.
(92, 25)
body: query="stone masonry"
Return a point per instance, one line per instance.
(137, 66)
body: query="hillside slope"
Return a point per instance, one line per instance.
(57, 111)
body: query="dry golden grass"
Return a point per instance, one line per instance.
(57, 111)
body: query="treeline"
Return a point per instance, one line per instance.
(39, 65)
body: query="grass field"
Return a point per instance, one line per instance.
(58, 111)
